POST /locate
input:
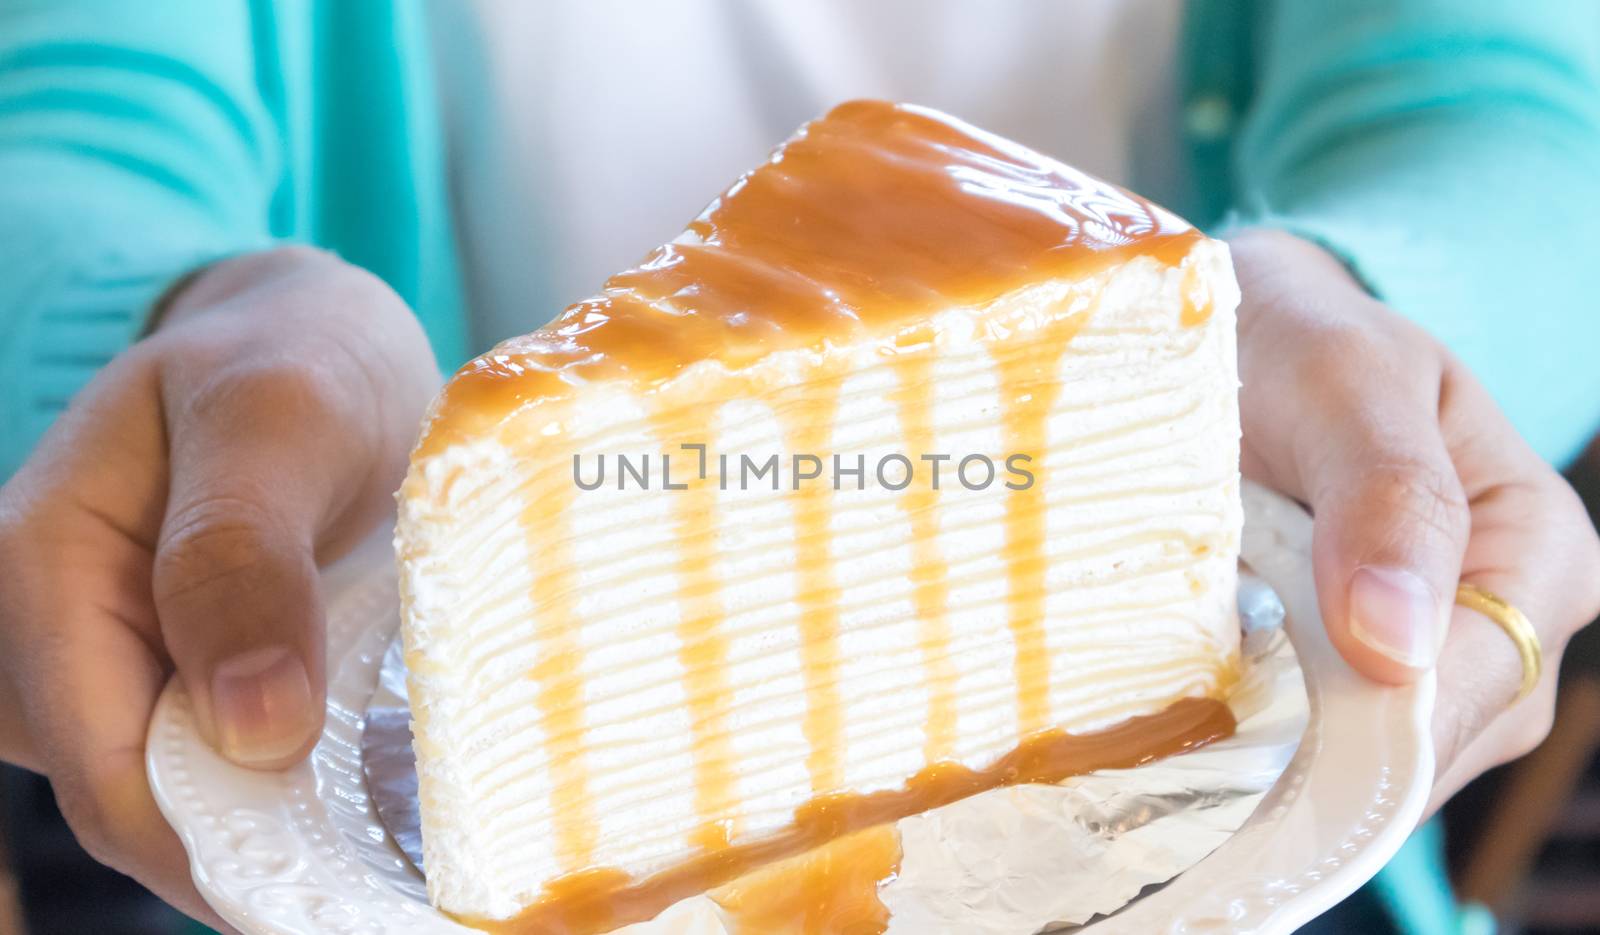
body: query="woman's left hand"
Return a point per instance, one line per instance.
(1416, 482)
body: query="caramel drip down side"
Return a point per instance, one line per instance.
(1194, 313)
(930, 588)
(1028, 389)
(807, 414)
(602, 899)
(560, 687)
(703, 648)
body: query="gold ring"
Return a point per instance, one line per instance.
(1515, 624)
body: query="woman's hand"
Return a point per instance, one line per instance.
(173, 519)
(1416, 482)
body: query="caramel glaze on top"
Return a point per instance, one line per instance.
(858, 225)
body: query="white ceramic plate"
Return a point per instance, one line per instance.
(303, 852)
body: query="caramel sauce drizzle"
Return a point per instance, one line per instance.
(853, 230)
(703, 649)
(595, 901)
(930, 572)
(808, 414)
(560, 688)
(1028, 389)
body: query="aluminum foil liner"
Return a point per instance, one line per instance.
(1022, 859)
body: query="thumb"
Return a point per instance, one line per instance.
(1340, 409)
(258, 469)
(236, 593)
(290, 387)
(1391, 526)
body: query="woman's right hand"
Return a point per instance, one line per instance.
(1416, 482)
(173, 520)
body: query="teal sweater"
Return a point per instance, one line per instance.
(1448, 150)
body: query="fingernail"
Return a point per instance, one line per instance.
(261, 701)
(1395, 613)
